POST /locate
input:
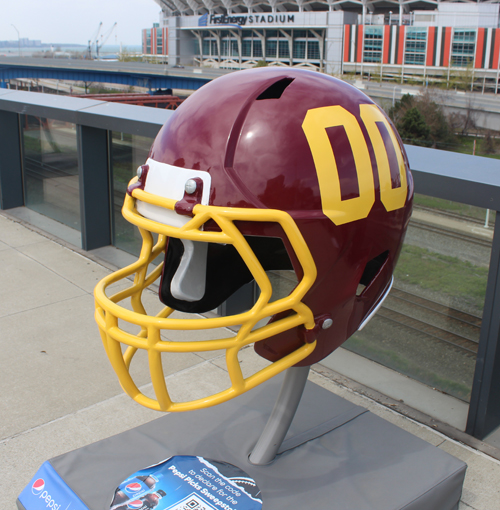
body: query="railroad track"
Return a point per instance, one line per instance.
(439, 323)
(434, 313)
(449, 214)
(451, 233)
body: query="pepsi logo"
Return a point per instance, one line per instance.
(135, 505)
(38, 486)
(133, 488)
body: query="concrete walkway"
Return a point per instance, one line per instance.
(60, 393)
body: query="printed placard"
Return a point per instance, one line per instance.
(186, 482)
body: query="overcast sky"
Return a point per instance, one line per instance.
(69, 21)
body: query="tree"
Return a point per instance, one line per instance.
(413, 128)
(440, 130)
(126, 56)
(462, 79)
(465, 122)
(426, 103)
(397, 112)
(489, 145)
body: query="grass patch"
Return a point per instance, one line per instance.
(122, 173)
(32, 145)
(465, 145)
(443, 274)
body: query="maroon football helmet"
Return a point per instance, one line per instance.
(240, 155)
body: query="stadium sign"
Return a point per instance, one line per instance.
(241, 20)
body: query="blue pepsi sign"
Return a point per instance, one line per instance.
(48, 491)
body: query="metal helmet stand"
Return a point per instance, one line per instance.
(281, 416)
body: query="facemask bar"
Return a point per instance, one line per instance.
(108, 310)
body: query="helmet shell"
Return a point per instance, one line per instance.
(246, 130)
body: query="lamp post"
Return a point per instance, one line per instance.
(18, 41)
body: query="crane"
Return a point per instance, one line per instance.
(104, 38)
(94, 38)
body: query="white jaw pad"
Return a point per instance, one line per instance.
(188, 283)
(169, 182)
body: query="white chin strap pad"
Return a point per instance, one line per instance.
(189, 281)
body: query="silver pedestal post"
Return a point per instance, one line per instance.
(281, 417)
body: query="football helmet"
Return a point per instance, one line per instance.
(259, 171)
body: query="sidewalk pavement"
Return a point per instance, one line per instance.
(60, 393)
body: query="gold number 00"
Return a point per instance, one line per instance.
(341, 211)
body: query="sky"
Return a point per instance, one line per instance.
(69, 21)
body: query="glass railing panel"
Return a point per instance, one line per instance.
(128, 152)
(50, 163)
(428, 328)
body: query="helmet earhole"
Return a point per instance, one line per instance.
(372, 268)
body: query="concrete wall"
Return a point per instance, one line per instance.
(334, 42)
(467, 15)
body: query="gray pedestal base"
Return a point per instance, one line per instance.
(364, 463)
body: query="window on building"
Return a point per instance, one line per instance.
(257, 48)
(229, 47)
(312, 50)
(159, 42)
(206, 48)
(299, 49)
(416, 44)
(271, 47)
(373, 40)
(246, 48)
(283, 49)
(463, 47)
(214, 52)
(234, 48)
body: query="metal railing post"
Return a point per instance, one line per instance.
(11, 175)
(484, 410)
(94, 187)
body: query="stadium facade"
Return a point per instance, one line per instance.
(412, 37)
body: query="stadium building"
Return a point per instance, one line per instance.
(411, 37)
